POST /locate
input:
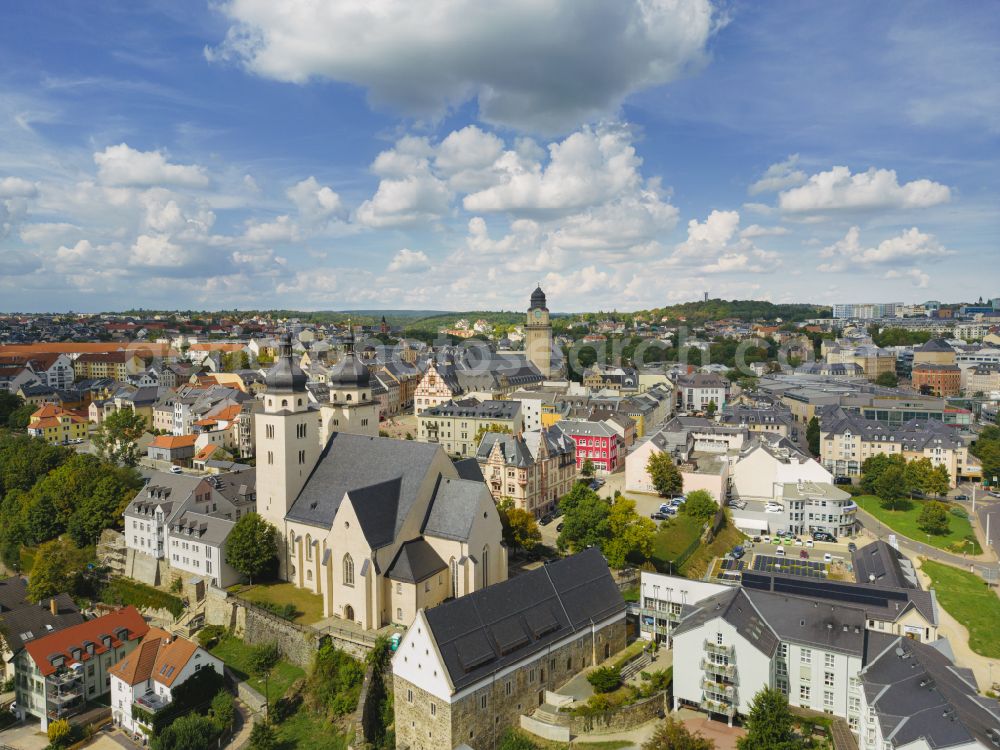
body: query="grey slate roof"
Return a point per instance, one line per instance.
(22, 621)
(918, 693)
(736, 608)
(415, 561)
(454, 507)
(200, 527)
(880, 563)
(350, 463)
(468, 468)
(505, 623)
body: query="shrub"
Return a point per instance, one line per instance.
(335, 681)
(60, 733)
(210, 635)
(284, 611)
(605, 679)
(263, 658)
(223, 709)
(262, 737)
(123, 591)
(515, 740)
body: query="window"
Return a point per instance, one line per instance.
(434, 709)
(482, 701)
(348, 570)
(399, 614)
(718, 639)
(270, 457)
(269, 431)
(828, 660)
(508, 687)
(805, 656)
(804, 691)
(828, 700)
(828, 679)
(454, 577)
(409, 696)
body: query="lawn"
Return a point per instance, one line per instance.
(672, 538)
(303, 730)
(236, 654)
(905, 522)
(697, 565)
(308, 606)
(970, 601)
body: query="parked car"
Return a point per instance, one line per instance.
(809, 542)
(664, 507)
(962, 497)
(559, 526)
(852, 547)
(738, 551)
(841, 480)
(827, 558)
(798, 542)
(546, 519)
(659, 516)
(824, 536)
(778, 534)
(176, 470)
(803, 554)
(773, 508)
(780, 552)
(767, 540)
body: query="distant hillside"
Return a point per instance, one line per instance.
(748, 310)
(434, 323)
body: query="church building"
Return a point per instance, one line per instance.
(379, 527)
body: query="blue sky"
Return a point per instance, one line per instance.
(378, 153)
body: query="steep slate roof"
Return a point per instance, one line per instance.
(492, 628)
(736, 608)
(879, 563)
(918, 693)
(468, 468)
(23, 621)
(415, 561)
(351, 463)
(454, 507)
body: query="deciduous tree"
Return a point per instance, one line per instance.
(585, 519)
(673, 735)
(628, 533)
(666, 477)
(812, 435)
(57, 569)
(700, 505)
(252, 545)
(933, 518)
(524, 531)
(769, 724)
(115, 440)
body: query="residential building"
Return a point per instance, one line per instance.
(22, 620)
(532, 469)
(934, 352)
(455, 425)
(873, 360)
(177, 450)
(808, 638)
(14, 377)
(54, 369)
(433, 389)
(57, 674)
(811, 507)
(378, 527)
(58, 426)
(696, 391)
(116, 365)
(847, 440)
(466, 671)
(765, 465)
(981, 379)
(596, 442)
(621, 380)
(865, 311)
(148, 676)
(775, 421)
(937, 380)
(662, 601)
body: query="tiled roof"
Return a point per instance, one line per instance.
(124, 625)
(173, 441)
(160, 657)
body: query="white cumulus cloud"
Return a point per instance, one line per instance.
(409, 261)
(124, 166)
(838, 189)
(784, 174)
(541, 66)
(902, 249)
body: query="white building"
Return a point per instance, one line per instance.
(765, 465)
(664, 597)
(147, 677)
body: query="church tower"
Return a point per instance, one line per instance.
(538, 334)
(288, 443)
(352, 408)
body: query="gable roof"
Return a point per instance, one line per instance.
(415, 562)
(23, 621)
(454, 508)
(490, 629)
(352, 463)
(122, 626)
(160, 657)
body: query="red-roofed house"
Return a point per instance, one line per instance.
(147, 677)
(174, 449)
(55, 676)
(58, 425)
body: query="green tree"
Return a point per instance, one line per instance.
(60, 733)
(933, 518)
(918, 473)
(492, 427)
(223, 710)
(674, 735)
(664, 474)
(524, 531)
(891, 486)
(58, 568)
(263, 737)
(711, 408)
(19, 418)
(887, 379)
(585, 520)
(233, 361)
(700, 505)
(628, 533)
(190, 732)
(769, 724)
(252, 545)
(605, 679)
(873, 468)
(938, 482)
(9, 402)
(115, 440)
(812, 435)
(587, 468)
(986, 448)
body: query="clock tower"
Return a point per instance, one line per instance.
(538, 334)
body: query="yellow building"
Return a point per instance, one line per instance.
(57, 426)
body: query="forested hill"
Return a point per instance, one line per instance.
(744, 309)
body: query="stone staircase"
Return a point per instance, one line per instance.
(635, 666)
(191, 621)
(549, 714)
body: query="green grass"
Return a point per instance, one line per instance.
(697, 565)
(308, 606)
(236, 654)
(672, 538)
(970, 601)
(905, 523)
(304, 730)
(631, 595)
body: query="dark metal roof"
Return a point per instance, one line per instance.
(537, 298)
(493, 628)
(879, 563)
(285, 374)
(454, 508)
(415, 561)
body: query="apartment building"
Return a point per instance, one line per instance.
(22, 620)
(532, 469)
(114, 365)
(54, 369)
(936, 380)
(696, 391)
(847, 440)
(55, 676)
(981, 379)
(811, 507)
(596, 442)
(455, 424)
(58, 426)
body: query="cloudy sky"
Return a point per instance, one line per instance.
(448, 154)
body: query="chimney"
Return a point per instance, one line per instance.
(53, 607)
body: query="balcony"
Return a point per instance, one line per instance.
(726, 670)
(661, 614)
(721, 688)
(62, 697)
(714, 648)
(66, 677)
(152, 702)
(717, 707)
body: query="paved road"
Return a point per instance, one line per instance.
(989, 507)
(987, 569)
